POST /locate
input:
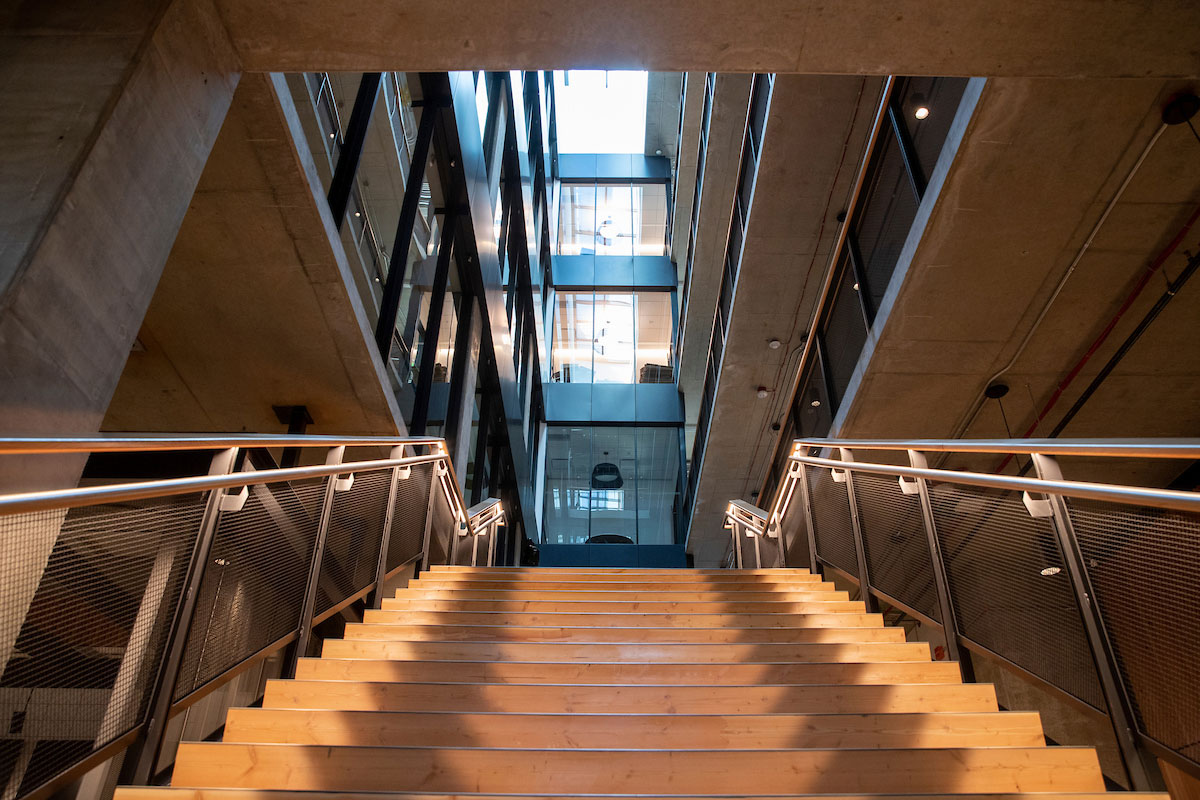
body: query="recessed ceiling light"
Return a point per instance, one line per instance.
(815, 404)
(921, 112)
(358, 213)
(1048, 571)
(856, 287)
(774, 344)
(762, 393)
(332, 135)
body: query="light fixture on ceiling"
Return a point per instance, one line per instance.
(606, 475)
(856, 286)
(358, 213)
(332, 135)
(774, 344)
(658, 152)
(1048, 571)
(762, 393)
(920, 110)
(607, 230)
(815, 404)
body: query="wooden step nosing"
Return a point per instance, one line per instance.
(412, 685)
(690, 751)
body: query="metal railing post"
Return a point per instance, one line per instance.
(493, 534)
(757, 551)
(386, 540)
(940, 581)
(434, 470)
(734, 530)
(864, 576)
(139, 770)
(1107, 668)
(802, 476)
(314, 573)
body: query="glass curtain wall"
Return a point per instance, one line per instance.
(612, 219)
(612, 337)
(611, 481)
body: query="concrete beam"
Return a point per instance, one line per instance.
(1072, 38)
(110, 112)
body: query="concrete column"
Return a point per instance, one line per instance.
(108, 110)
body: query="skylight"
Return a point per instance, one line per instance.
(600, 111)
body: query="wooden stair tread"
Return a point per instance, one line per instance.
(783, 771)
(614, 620)
(683, 731)
(521, 633)
(630, 606)
(628, 699)
(659, 673)
(187, 793)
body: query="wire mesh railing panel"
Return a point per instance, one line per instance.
(253, 589)
(831, 520)
(408, 517)
(355, 535)
(1009, 587)
(1143, 564)
(87, 598)
(443, 529)
(895, 542)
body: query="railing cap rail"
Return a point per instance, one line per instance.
(1126, 448)
(748, 508)
(144, 442)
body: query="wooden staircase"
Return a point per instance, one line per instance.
(690, 683)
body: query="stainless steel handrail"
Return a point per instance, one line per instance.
(1125, 448)
(1134, 495)
(145, 442)
(747, 514)
(141, 490)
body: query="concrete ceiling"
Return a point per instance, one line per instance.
(1070, 38)
(256, 305)
(1039, 165)
(815, 138)
(684, 188)
(662, 114)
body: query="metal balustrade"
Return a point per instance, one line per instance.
(123, 603)
(1090, 589)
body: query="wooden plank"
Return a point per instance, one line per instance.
(594, 653)
(185, 793)
(835, 606)
(786, 772)
(682, 731)
(514, 633)
(584, 620)
(660, 673)
(657, 572)
(659, 596)
(550, 698)
(572, 581)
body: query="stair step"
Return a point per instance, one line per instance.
(816, 592)
(664, 573)
(660, 674)
(593, 653)
(682, 731)
(721, 582)
(600, 699)
(184, 793)
(585, 620)
(517, 633)
(787, 772)
(837, 604)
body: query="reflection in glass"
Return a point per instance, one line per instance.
(571, 348)
(610, 481)
(577, 220)
(612, 347)
(614, 219)
(650, 219)
(654, 337)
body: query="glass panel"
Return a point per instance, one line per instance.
(885, 217)
(813, 414)
(612, 347)
(657, 484)
(654, 337)
(614, 220)
(481, 103)
(928, 106)
(650, 219)
(845, 334)
(568, 482)
(577, 220)
(571, 349)
(611, 483)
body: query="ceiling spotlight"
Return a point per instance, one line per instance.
(856, 286)
(920, 110)
(332, 135)
(658, 152)
(996, 390)
(815, 404)
(774, 344)
(762, 393)
(1048, 571)
(358, 213)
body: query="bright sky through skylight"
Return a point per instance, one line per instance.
(593, 117)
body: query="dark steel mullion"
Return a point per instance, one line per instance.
(908, 153)
(458, 371)
(389, 308)
(141, 768)
(858, 270)
(826, 376)
(433, 327)
(1107, 669)
(941, 582)
(351, 151)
